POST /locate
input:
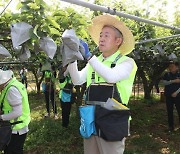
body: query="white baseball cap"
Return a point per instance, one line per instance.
(5, 76)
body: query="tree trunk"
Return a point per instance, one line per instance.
(37, 80)
(147, 91)
(147, 86)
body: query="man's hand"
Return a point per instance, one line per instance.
(86, 54)
(176, 81)
(174, 94)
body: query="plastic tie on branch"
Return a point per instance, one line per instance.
(108, 11)
(114, 11)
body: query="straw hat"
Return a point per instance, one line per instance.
(5, 76)
(100, 21)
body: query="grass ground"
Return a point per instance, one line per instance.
(148, 131)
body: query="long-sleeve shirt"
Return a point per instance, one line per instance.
(171, 87)
(15, 101)
(111, 75)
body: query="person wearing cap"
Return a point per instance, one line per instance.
(14, 108)
(114, 40)
(171, 81)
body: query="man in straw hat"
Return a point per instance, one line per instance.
(115, 41)
(14, 107)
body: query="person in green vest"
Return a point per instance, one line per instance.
(14, 108)
(66, 96)
(114, 41)
(49, 92)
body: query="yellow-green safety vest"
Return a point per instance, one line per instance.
(47, 74)
(124, 86)
(25, 117)
(63, 84)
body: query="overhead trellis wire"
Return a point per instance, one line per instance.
(6, 7)
(14, 62)
(96, 7)
(157, 39)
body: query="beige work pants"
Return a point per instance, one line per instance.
(97, 145)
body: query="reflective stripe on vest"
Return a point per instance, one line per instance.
(25, 117)
(124, 86)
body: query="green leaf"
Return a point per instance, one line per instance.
(53, 22)
(33, 6)
(59, 13)
(35, 30)
(19, 5)
(54, 31)
(32, 35)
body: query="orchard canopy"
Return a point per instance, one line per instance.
(32, 33)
